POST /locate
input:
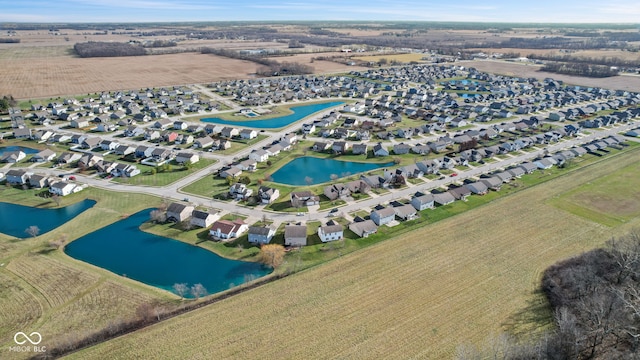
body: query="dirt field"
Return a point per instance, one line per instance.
(64, 75)
(319, 66)
(623, 82)
(419, 296)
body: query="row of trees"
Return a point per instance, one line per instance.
(108, 49)
(588, 70)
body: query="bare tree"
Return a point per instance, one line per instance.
(181, 289)
(158, 216)
(334, 176)
(33, 231)
(272, 254)
(308, 180)
(198, 291)
(56, 199)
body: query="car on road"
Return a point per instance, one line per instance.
(300, 214)
(72, 177)
(454, 175)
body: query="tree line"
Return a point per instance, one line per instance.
(580, 69)
(269, 68)
(9, 40)
(108, 49)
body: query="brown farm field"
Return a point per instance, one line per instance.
(28, 78)
(455, 282)
(621, 82)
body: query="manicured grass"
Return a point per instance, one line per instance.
(175, 173)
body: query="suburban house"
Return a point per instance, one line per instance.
(178, 212)
(363, 228)
(186, 157)
(259, 155)
(40, 181)
(247, 165)
(405, 212)
(295, 235)
(422, 202)
(330, 232)
(204, 219)
(17, 176)
(225, 229)
(304, 198)
(444, 198)
(13, 156)
(248, 134)
(383, 216)
(261, 234)
(493, 183)
(203, 142)
(460, 193)
(68, 157)
(125, 170)
(239, 191)
(62, 188)
(478, 188)
(231, 171)
(268, 195)
(379, 150)
(337, 191)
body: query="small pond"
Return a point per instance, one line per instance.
(309, 170)
(15, 219)
(124, 249)
(299, 112)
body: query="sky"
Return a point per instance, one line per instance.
(538, 11)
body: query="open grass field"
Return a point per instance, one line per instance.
(610, 200)
(417, 296)
(622, 82)
(42, 289)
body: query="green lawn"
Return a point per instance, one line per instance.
(175, 173)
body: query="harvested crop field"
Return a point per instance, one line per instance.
(319, 66)
(419, 296)
(622, 82)
(65, 75)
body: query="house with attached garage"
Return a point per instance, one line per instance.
(40, 181)
(423, 201)
(405, 212)
(379, 150)
(17, 176)
(239, 191)
(493, 183)
(444, 198)
(225, 229)
(13, 157)
(248, 134)
(259, 155)
(383, 216)
(363, 228)
(268, 195)
(204, 218)
(179, 212)
(304, 198)
(261, 234)
(44, 156)
(187, 157)
(62, 188)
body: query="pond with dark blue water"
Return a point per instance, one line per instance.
(15, 219)
(124, 249)
(308, 170)
(299, 112)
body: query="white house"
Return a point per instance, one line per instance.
(204, 219)
(225, 229)
(331, 232)
(62, 188)
(259, 155)
(261, 234)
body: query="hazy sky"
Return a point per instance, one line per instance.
(612, 11)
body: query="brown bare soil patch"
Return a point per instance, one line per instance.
(622, 82)
(44, 77)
